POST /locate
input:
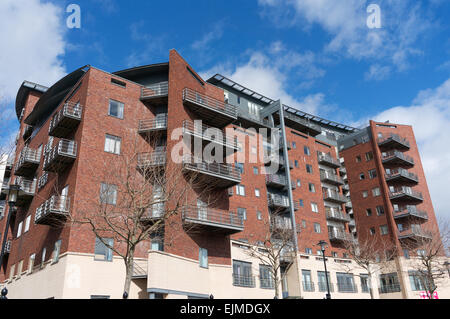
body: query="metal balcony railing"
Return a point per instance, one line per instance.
(410, 211)
(326, 159)
(323, 286)
(28, 162)
(282, 223)
(308, 286)
(157, 90)
(405, 193)
(344, 287)
(386, 289)
(336, 215)
(266, 283)
(27, 186)
(61, 155)
(154, 213)
(5, 183)
(156, 124)
(393, 141)
(213, 219)
(65, 120)
(210, 134)
(415, 231)
(339, 235)
(54, 209)
(401, 174)
(209, 108)
(276, 180)
(225, 175)
(8, 246)
(397, 157)
(276, 200)
(333, 196)
(331, 178)
(152, 159)
(243, 281)
(302, 124)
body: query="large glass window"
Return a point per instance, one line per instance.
(112, 144)
(308, 285)
(102, 251)
(242, 274)
(345, 282)
(108, 194)
(265, 277)
(116, 109)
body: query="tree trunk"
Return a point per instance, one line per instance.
(129, 265)
(369, 282)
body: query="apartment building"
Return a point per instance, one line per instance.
(68, 131)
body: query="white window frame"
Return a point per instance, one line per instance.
(121, 109)
(112, 144)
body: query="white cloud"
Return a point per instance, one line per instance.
(32, 43)
(377, 72)
(345, 21)
(429, 115)
(215, 34)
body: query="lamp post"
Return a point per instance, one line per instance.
(323, 245)
(12, 198)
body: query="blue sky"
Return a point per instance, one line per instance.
(319, 56)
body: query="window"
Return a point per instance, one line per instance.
(334, 254)
(322, 280)
(253, 149)
(242, 274)
(365, 194)
(116, 109)
(19, 229)
(364, 282)
(19, 268)
(257, 192)
(203, 257)
(296, 163)
(112, 144)
(308, 251)
(12, 271)
(102, 251)
(376, 191)
(369, 212)
(314, 208)
(242, 213)
(312, 188)
(44, 251)
(421, 252)
(31, 263)
(300, 202)
(345, 282)
(157, 244)
(255, 170)
(27, 223)
(417, 281)
(240, 190)
(406, 253)
(380, 210)
(362, 176)
(108, 194)
(389, 283)
(309, 169)
(384, 230)
(259, 215)
(372, 173)
(358, 159)
(119, 83)
(100, 297)
(307, 282)
(372, 230)
(294, 145)
(306, 150)
(317, 228)
(265, 277)
(240, 167)
(369, 156)
(299, 183)
(56, 251)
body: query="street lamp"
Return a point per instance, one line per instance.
(323, 245)
(12, 199)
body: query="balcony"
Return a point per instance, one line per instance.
(336, 215)
(152, 162)
(153, 215)
(152, 126)
(210, 135)
(401, 175)
(276, 180)
(243, 281)
(27, 131)
(337, 235)
(345, 287)
(392, 288)
(327, 160)
(155, 93)
(27, 191)
(410, 212)
(29, 160)
(8, 247)
(393, 141)
(281, 223)
(211, 110)
(215, 174)
(53, 211)
(278, 201)
(335, 197)
(214, 220)
(301, 124)
(397, 158)
(308, 286)
(64, 122)
(2, 209)
(415, 232)
(405, 194)
(330, 177)
(60, 156)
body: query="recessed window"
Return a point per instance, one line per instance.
(27, 223)
(108, 194)
(103, 251)
(294, 145)
(362, 176)
(240, 190)
(306, 150)
(240, 167)
(242, 213)
(372, 231)
(369, 212)
(314, 207)
(365, 194)
(384, 230)
(299, 183)
(303, 223)
(31, 263)
(358, 159)
(376, 191)
(259, 215)
(56, 251)
(300, 202)
(380, 210)
(309, 169)
(19, 230)
(372, 173)
(317, 228)
(119, 83)
(312, 187)
(296, 163)
(112, 144)
(255, 170)
(369, 156)
(257, 192)
(116, 109)
(308, 251)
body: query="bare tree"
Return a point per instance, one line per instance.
(429, 260)
(371, 253)
(140, 196)
(275, 247)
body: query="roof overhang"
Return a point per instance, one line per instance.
(141, 71)
(23, 92)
